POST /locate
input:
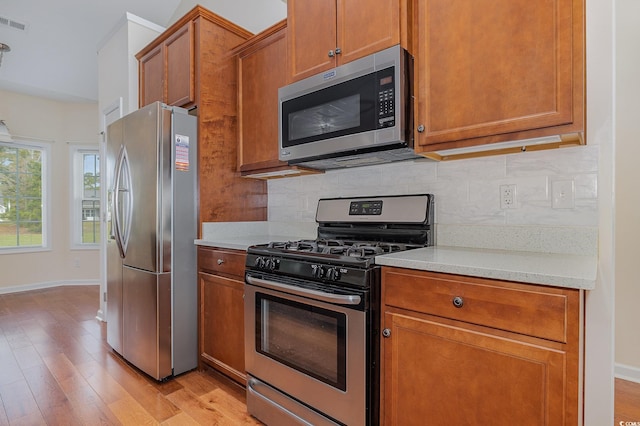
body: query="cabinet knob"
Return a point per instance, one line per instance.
(421, 128)
(338, 51)
(220, 261)
(458, 302)
(331, 54)
(386, 332)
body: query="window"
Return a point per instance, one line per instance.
(86, 197)
(23, 203)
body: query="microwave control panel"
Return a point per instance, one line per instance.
(386, 98)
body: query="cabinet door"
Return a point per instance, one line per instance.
(261, 72)
(493, 68)
(311, 35)
(222, 325)
(180, 79)
(437, 373)
(152, 77)
(365, 27)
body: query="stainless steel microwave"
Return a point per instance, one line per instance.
(357, 114)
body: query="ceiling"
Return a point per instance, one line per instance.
(55, 56)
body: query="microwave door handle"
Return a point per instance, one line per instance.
(340, 299)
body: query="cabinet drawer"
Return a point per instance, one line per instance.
(230, 262)
(531, 310)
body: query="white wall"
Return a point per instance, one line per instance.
(627, 177)
(117, 65)
(60, 123)
(252, 15)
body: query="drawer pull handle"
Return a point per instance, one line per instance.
(386, 332)
(458, 302)
(220, 261)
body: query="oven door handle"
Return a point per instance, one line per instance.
(340, 299)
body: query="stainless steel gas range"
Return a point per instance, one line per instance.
(312, 311)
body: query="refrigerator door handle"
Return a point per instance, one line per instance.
(122, 229)
(116, 203)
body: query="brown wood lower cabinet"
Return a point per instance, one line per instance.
(221, 316)
(472, 362)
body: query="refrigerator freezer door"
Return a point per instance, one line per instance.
(147, 321)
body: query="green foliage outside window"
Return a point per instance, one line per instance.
(91, 198)
(21, 203)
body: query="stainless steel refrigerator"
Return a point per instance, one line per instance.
(152, 225)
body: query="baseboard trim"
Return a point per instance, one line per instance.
(49, 284)
(627, 372)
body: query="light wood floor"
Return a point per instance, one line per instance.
(56, 369)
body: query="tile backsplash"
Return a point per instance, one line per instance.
(467, 192)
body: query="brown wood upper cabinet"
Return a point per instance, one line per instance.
(327, 33)
(167, 71)
(498, 70)
(261, 72)
(458, 350)
(191, 65)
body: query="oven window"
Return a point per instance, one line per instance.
(307, 338)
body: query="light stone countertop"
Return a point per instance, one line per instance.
(243, 242)
(561, 270)
(241, 235)
(563, 257)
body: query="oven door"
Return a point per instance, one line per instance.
(308, 346)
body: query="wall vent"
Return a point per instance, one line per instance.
(10, 23)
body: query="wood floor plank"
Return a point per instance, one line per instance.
(27, 356)
(230, 407)
(142, 388)
(62, 414)
(44, 387)
(4, 421)
(18, 401)
(72, 383)
(97, 415)
(197, 383)
(104, 385)
(129, 412)
(199, 410)
(627, 402)
(33, 419)
(9, 369)
(181, 419)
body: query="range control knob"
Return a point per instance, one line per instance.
(317, 271)
(271, 264)
(333, 274)
(260, 262)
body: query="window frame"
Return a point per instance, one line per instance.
(76, 179)
(45, 148)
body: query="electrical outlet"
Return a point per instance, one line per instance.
(563, 194)
(508, 196)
